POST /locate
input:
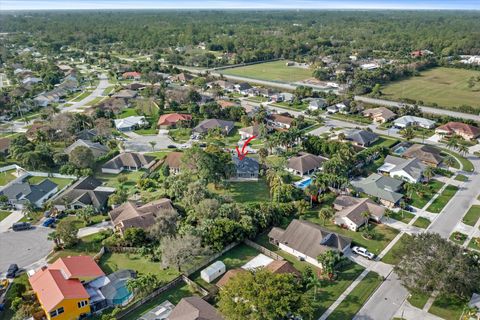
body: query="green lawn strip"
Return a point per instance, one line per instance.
(349, 307)
(82, 96)
(6, 177)
(385, 142)
(4, 214)
(351, 118)
(61, 182)
(181, 135)
(467, 165)
(128, 112)
(472, 215)
(422, 222)
(79, 223)
(95, 101)
(158, 154)
(474, 244)
(393, 256)
(461, 177)
(291, 106)
(108, 90)
(420, 200)
(458, 237)
(402, 215)
(111, 180)
(440, 202)
(257, 99)
(147, 132)
(384, 234)
(449, 308)
(246, 191)
(174, 295)
(418, 299)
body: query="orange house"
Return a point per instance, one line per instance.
(59, 287)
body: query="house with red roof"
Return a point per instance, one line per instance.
(131, 75)
(464, 130)
(59, 287)
(170, 120)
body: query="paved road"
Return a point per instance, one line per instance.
(389, 103)
(98, 92)
(24, 247)
(141, 143)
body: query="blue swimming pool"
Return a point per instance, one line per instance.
(121, 293)
(302, 184)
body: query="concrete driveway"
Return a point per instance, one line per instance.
(141, 143)
(13, 217)
(24, 247)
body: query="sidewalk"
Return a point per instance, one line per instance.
(409, 312)
(13, 217)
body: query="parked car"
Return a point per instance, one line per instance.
(48, 222)
(171, 146)
(12, 271)
(363, 252)
(19, 226)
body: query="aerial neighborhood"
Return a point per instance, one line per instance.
(207, 165)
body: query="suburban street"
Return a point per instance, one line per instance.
(98, 92)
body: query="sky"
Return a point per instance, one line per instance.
(237, 4)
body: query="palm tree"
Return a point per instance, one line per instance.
(428, 173)
(450, 161)
(325, 214)
(311, 191)
(28, 209)
(412, 188)
(314, 282)
(408, 133)
(463, 149)
(366, 216)
(153, 144)
(453, 142)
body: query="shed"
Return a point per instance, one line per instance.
(213, 271)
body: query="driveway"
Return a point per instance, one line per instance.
(24, 247)
(141, 143)
(13, 217)
(87, 231)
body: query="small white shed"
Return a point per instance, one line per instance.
(213, 271)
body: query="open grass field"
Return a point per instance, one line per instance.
(445, 86)
(271, 71)
(247, 191)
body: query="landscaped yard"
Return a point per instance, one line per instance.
(6, 177)
(466, 164)
(458, 237)
(385, 142)
(61, 182)
(461, 177)
(246, 191)
(441, 201)
(402, 215)
(271, 71)
(355, 300)
(128, 112)
(422, 222)
(393, 256)
(292, 106)
(111, 180)
(418, 299)
(4, 214)
(449, 308)
(181, 135)
(472, 215)
(474, 244)
(445, 86)
(420, 200)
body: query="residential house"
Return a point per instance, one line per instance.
(425, 153)
(379, 115)
(279, 121)
(174, 161)
(194, 308)
(266, 92)
(132, 215)
(130, 123)
(248, 132)
(111, 105)
(22, 192)
(125, 94)
(170, 120)
(410, 170)
(135, 86)
(225, 126)
(232, 273)
(363, 138)
(60, 290)
(305, 164)
(182, 77)
(87, 191)
(350, 212)
(130, 161)
(245, 169)
(97, 149)
(244, 88)
(87, 134)
(132, 75)
(226, 104)
(306, 241)
(317, 104)
(412, 121)
(385, 188)
(223, 84)
(466, 131)
(5, 145)
(339, 107)
(31, 80)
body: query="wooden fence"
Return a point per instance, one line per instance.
(209, 259)
(263, 250)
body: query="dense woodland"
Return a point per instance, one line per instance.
(252, 35)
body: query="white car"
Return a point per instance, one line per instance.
(363, 252)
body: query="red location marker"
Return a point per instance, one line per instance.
(243, 153)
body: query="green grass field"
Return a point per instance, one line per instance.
(472, 215)
(441, 201)
(422, 222)
(271, 71)
(445, 86)
(394, 255)
(6, 177)
(59, 181)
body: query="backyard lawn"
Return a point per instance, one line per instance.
(449, 308)
(385, 142)
(422, 222)
(420, 200)
(4, 214)
(445, 86)
(128, 112)
(393, 256)
(349, 307)
(441, 201)
(6, 177)
(472, 215)
(61, 182)
(111, 180)
(271, 71)
(246, 191)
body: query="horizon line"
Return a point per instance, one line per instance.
(247, 9)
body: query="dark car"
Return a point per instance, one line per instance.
(19, 226)
(171, 146)
(12, 271)
(48, 222)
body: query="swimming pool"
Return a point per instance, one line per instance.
(122, 294)
(400, 150)
(302, 184)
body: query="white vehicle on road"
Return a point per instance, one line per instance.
(363, 252)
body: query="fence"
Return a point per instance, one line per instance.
(209, 259)
(263, 250)
(122, 249)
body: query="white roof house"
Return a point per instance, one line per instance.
(31, 80)
(260, 261)
(407, 121)
(213, 271)
(410, 170)
(130, 123)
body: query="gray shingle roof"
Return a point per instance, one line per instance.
(208, 124)
(380, 186)
(247, 165)
(362, 137)
(129, 159)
